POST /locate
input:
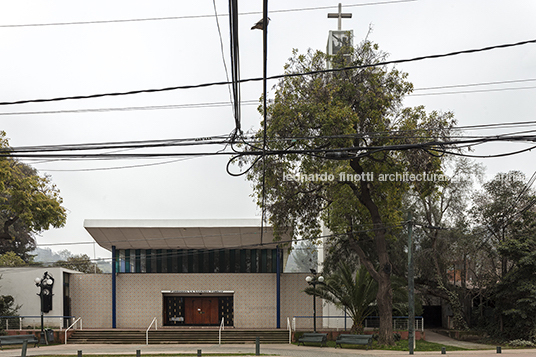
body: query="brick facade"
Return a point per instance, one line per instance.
(140, 298)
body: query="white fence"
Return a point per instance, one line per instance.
(399, 322)
(34, 322)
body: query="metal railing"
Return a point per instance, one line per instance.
(155, 322)
(222, 327)
(11, 322)
(289, 327)
(399, 322)
(74, 323)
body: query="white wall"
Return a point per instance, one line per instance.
(20, 283)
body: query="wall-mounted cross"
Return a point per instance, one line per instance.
(339, 15)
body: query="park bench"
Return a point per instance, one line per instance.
(18, 340)
(348, 339)
(313, 337)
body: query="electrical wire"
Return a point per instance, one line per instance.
(249, 102)
(280, 76)
(125, 109)
(470, 91)
(332, 153)
(476, 84)
(224, 139)
(209, 140)
(485, 156)
(222, 51)
(184, 17)
(122, 167)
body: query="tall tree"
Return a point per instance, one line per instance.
(500, 207)
(515, 294)
(328, 130)
(442, 237)
(29, 204)
(505, 211)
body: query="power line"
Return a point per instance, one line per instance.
(221, 50)
(122, 167)
(126, 109)
(333, 70)
(255, 101)
(334, 153)
(224, 140)
(184, 17)
(511, 153)
(477, 84)
(252, 141)
(471, 91)
(141, 144)
(496, 125)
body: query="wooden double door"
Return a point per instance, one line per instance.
(201, 310)
(197, 310)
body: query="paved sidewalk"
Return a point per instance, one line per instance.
(278, 350)
(445, 340)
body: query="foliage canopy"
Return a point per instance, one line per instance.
(29, 204)
(330, 129)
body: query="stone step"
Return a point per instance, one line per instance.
(177, 336)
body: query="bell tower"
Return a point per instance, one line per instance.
(339, 38)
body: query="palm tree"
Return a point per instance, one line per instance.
(357, 293)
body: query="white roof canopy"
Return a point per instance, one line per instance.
(182, 234)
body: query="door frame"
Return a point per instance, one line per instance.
(217, 295)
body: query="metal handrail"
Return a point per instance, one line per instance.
(21, 318)
(68, 328)
(222, 327)
(155, 322)
(289, 327)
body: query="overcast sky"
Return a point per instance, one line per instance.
(77, 58)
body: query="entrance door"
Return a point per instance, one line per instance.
(201, 310)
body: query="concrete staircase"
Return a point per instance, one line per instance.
(185, 336)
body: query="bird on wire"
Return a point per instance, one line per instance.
(259, 25)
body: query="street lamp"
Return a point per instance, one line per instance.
(313, 280)
(45, 285)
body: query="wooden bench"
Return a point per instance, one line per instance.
(18, 340)
(321, 338)
(348, 339)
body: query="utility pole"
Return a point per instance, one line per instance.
(411, 288)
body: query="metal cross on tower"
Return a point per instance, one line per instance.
(340, 15)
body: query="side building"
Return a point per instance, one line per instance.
(191, 273)
(21, 284)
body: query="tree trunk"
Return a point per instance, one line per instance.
(357, 328)
(383, 274)
(385, 307)
(384, 295)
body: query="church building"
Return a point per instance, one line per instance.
(190, 273)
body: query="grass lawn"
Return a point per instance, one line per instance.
(401, 345)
